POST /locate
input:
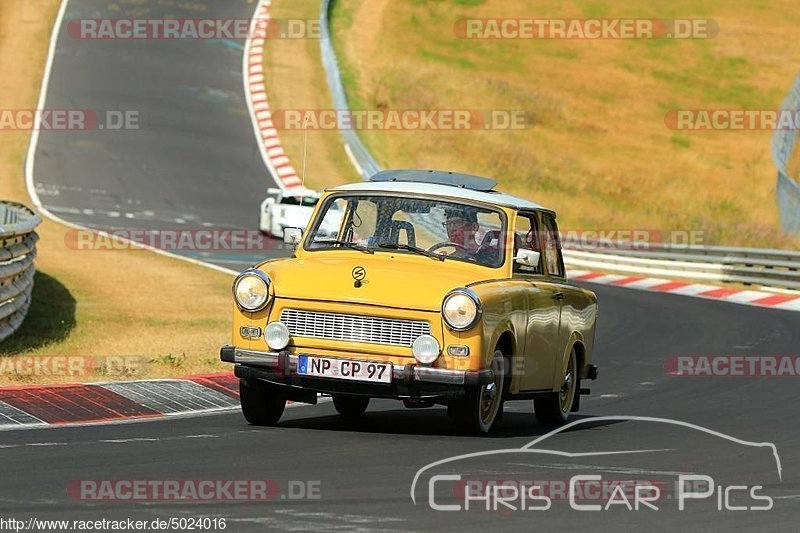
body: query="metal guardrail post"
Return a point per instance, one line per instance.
(18, 240)
(783, 144)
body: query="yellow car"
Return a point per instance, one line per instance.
(424, 286)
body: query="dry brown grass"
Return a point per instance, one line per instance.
(295, 79)
(99, 303)
(599, 152)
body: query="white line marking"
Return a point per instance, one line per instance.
(34, 143)
(42, 101)
(123, 441)
(349, 153)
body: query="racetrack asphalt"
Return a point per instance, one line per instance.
(364, 469)
(194, 162)
(191, 163)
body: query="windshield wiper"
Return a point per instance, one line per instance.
(348, 244)
(421, 251)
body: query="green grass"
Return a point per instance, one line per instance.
(599, 152)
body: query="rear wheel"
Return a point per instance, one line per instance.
(350, 406)
(554, 408)
(478, 410)
(261, 404)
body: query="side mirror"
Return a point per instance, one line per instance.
(527, 257)
(292, 236)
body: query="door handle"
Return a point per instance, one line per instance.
(558, 296)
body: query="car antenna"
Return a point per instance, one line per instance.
(305, 155)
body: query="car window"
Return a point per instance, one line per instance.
(552, 245)
(526, 235)
(330, 224)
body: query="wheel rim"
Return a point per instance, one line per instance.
(567, 392)
(490, 397)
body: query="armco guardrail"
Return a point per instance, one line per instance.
(17, 251)
(358, 153)
(783, 144)
(756, 266)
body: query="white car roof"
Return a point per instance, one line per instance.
(299, 191)
(435, 189)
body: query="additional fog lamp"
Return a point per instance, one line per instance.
(461, 309)
(251, 290)
(277, 335)
(425, 349)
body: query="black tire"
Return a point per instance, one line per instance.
(261, 405)
(554, 408)
(477, 412)
(350, 406)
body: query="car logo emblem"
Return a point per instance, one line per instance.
(359, 273)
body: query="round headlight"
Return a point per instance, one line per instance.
(425, 349)
(277, 335)
(461, 309)
(251, 290)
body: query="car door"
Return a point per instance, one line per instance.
(541, 347)
(574, 307)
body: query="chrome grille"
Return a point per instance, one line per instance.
(354, 328)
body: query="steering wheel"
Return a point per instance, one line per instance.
(444, 244)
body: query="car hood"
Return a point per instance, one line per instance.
(391, 279)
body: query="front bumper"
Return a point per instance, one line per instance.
(410, 381)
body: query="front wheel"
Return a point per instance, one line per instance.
(261, 405)
(554, 408)
(350, 406)
(478, 410)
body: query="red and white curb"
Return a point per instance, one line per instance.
(790, 302)
(44, 405)
(257, 102)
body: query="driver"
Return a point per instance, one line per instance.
(462, 229)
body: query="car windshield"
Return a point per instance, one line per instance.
(434, 228)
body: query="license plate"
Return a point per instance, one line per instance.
(328, 367)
